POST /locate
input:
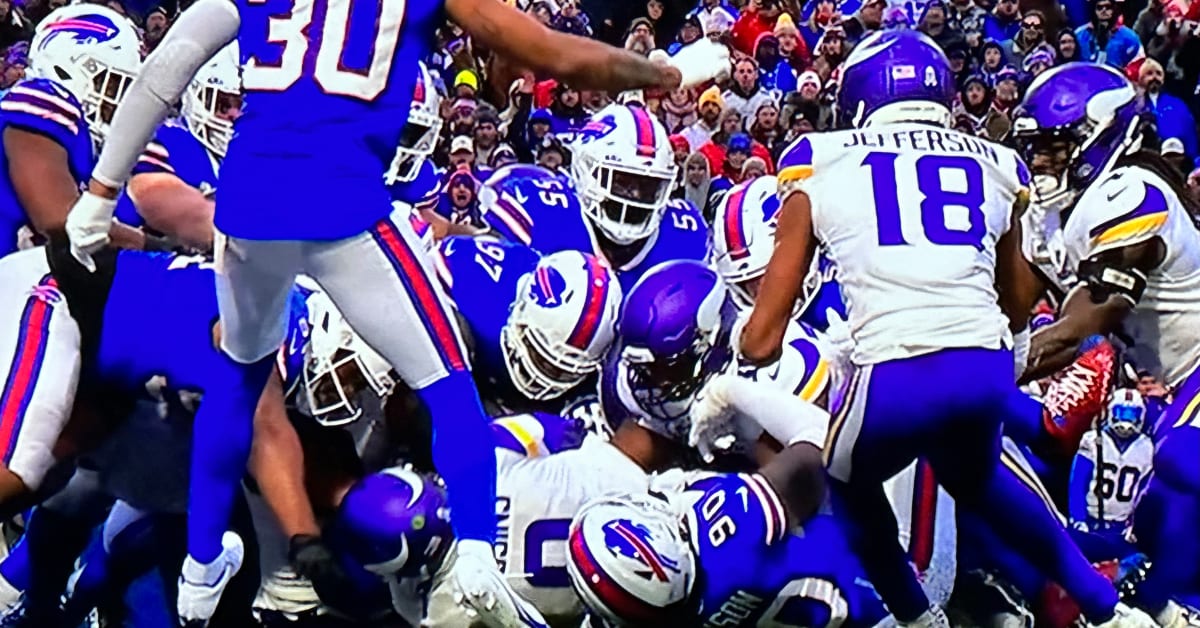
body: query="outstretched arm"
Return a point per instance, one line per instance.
(200, 32)
(762, 337)
(582, 62)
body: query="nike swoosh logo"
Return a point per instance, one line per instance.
(1113, 195)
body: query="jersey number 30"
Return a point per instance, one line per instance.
(948, 216)
(291, 31)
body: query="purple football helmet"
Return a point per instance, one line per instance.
(895, 76)
(1086, 111)
(675, 333)
(392, 522)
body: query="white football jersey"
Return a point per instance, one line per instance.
(1130, 206)
(536, 498)
(910, 214)
(1119, 476)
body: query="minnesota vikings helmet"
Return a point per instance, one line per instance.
(340, 369)
(744, 236)
(629, 562)
(213, 100)
(93, 52)
(624, 168)
(895, 76)
(420, 134)
(1075, 122)
(675, 333)
(394, 522)
(561, 325)
(1126, 414)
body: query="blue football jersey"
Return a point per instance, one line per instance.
(327, 93)
(758, 572)
(174, 150)
(481, 278)
(422, 191)
(544, 212)
(823, 295)
(44, 107)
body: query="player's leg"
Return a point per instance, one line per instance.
(386, 288)
(39, 371)
(125, 549)
(925, 514)
(859, 458)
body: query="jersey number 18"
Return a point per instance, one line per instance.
(937, 202)
(290, 31)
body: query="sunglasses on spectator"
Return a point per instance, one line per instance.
(1104, 7)
(1035, 26)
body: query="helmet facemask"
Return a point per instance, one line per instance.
(206, 108)
(626, 204)
(417, 142)
(539, 368)
(1126, 420)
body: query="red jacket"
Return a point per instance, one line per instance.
(747, 29)
(715, 154)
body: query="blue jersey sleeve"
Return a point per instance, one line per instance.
(44, 107)
(738, 514)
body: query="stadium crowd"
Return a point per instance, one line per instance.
(104, 544)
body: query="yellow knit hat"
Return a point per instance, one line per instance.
(712, 95)
(785, 24)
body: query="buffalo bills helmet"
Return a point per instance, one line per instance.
(340, 369)
(394, 522)
(624, 168)
(895, 76)
(420, 134)
(675, 334)
(629, 562)
(1126, 414)
(561, 325)
(513, 194)
(93, 52)
(744, 236)
(1075, 122)
(213, 99)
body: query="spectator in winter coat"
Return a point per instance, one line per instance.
(991, 61)
(1172, 115)
(1031, 36)
(965, 17)
(775, 73)
(758, 19)
(679, 110)
(866, 20)
(691, 31)
(1037, 61)
(764, 129)
(1104, 40)
(1004, 22)
(933, 23)
(1007, 92)
(822, 16)
(571, 20)
(1066, 47)
(746, 93)
(710, 107)
(567, 114)
(975, 114)
(695, 184)
(792, 46)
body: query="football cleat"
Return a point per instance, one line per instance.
(1078, 394)
(201, 585)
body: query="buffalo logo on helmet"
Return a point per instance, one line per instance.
(549, 288)
(90, 28)
(625, 539)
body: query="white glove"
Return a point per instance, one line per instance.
(479, 586)
(700, 61)
(839, 335)
(713, 428)
(88, 225)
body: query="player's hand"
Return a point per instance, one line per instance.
(311, 558)
(699, 62)
(88, 225)
(712, 429)
(839, 335)
(480, 587)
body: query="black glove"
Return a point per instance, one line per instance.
(312, 559)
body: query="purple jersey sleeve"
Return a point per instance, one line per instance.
(46, 108)
(538, 433)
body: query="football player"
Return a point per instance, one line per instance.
(926, 255)
(1122, 222)
(172, 186)
(1112, 468)
(539, 326)
(82, 60)
(330, 215)
(618, 208)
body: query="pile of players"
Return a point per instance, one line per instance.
(691, 424)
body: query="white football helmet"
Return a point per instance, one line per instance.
(561, 325)
(338, 365)
(629, 562)
(624, 168)
(744, 236)
(1126, 415)
(93, 52)
(420, 134)
(215, 89)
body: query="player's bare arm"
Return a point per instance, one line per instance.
(798, 475)
(762, 337)
(277, 464)
(175, 208)
(1018, 285)
(582, 62)
(1111, 284)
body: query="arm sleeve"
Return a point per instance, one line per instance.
(201, 31)
(1082, 470)
(787, 419)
